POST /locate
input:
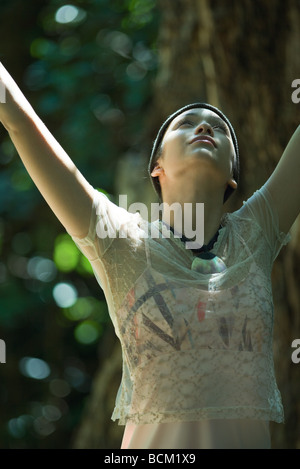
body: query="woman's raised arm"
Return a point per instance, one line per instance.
(61, 184)
(284, 183)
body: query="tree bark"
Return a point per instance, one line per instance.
(242, 57)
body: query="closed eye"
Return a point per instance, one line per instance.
(222, 127)
(218, 125)
(184, 122)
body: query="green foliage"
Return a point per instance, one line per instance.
(87, 69)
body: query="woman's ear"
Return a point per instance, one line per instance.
(157, 170)
(232, 183)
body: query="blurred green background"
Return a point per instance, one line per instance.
(87, 68)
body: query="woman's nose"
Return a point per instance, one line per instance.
(203, 128)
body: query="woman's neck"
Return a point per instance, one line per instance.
(192, 213)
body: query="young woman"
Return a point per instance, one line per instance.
(195, 325)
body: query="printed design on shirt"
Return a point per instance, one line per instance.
(159, 332)
(246, 335)
(159, 316)
(150, 312)
(201, 307)
(227, 325)
(131, 298)
(225, 328)
(165, 312)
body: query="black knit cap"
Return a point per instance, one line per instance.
(162, 130)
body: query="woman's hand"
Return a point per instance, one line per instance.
(64, 188)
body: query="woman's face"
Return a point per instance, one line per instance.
(197, 139)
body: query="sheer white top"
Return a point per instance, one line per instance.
(195, 346)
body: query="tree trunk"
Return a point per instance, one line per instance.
(242, 57)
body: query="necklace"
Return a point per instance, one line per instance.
(204, 262)
(208, 263)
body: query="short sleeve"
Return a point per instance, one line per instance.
(107, 222)
(261, 208)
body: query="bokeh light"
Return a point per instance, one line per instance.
(87, 332)
(34, 368)
(18, 427)
(41, 269)
(66, 254)
(69, 14)
(60, 387)
(64, 294)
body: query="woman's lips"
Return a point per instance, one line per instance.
(205, 139)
